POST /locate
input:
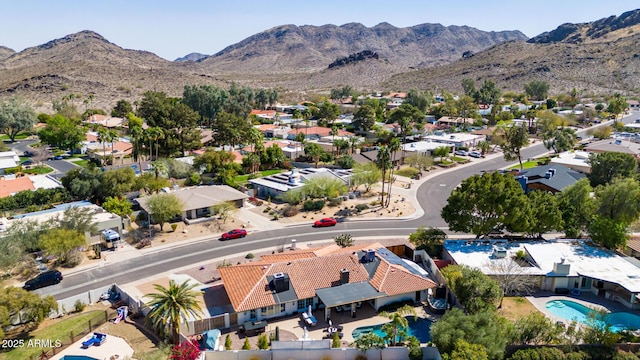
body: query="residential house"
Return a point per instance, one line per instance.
(272, 131)
(324, 278)
(103, 220)
(315, 132)
(275, 185)
(455, 121)
(106, 121)
(8, 159)
(264, 114)
(551, 178)
(576, 160)
(424, 148)
(561, 266)
(10, 184)
(633, 104)
(117, 150)
(614, 145)
(199, 201)
(456, 139)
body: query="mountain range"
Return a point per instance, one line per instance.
(601, 56)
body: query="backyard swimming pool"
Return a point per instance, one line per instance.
(571, 310)
(420, 328)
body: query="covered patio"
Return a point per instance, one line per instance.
(350, 296)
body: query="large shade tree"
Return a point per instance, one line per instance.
(606, 166)
(515, 138)
(164, 207)
(16, 116)
(173, 305)
(487, 202)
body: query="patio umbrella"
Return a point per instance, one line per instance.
(330, 323)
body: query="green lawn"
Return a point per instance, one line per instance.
(59, 331)
(20, 136)
(38, 170)
(525, 165)
(407, 172)
(80, 162)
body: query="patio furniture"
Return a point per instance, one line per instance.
(96, 340)
(309, 319)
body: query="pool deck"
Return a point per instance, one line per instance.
(113, 348)
(365, 316)
(539, 301)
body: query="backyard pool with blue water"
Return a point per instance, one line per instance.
(419, 328)
(573, 311)
(77, 357)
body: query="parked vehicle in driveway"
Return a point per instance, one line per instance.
(475, 154)
(325, 222)
(45, 279)
(234, 234)
(462, 152)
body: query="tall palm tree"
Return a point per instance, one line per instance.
(136, 134)
(173, 305)
(334, 132)
(394, 147)
(103, 134)
(153, 135)
(112, 136)
(397, 328)
(383, 160)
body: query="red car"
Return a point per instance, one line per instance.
(234, 234)
(325, 222)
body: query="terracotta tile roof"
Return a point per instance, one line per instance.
(12, 186)
(312, 269)
(248, 286)
(394, 280)
(318, 130)
(634, 243)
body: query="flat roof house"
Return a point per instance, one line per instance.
(274, 185)
(561, 265)
(288, 283)
(8, 159)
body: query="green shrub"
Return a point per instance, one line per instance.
(546, 353)
(227, 343)
(263, 342)
(313, 205)
(174, 227)
(361, 207)
(246, 345)
(79, 305)
(335, 202)
(290, 210)
(249, 256)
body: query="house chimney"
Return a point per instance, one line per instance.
(344, 276)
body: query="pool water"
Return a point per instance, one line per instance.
(420, 328)
(77, 357)
(573, 311)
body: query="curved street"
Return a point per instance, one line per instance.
(431, 195)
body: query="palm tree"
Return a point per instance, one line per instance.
(103, 134)
(153, 135)
(396, 329)
(173, 305)
(136, 134)
(394, 146)
(383, 160)
(314, 151)
(159, 167)
(112, 135)
(334, 132)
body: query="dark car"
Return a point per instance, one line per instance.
(45, 279)
(28, 154)
(27, 162)
(234, 234)
(58, 157)
(325, 222)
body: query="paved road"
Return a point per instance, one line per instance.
(432, 196)
(60, 167)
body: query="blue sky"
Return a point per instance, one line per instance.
(172, 29)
